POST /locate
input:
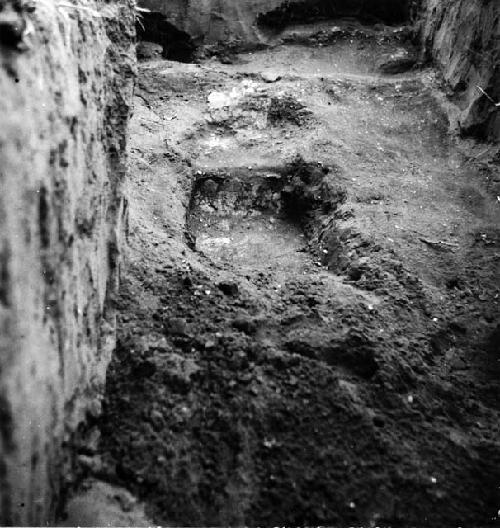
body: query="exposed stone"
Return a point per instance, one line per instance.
(228, 288)
(398, 63)
(177, 326)
(270, 77)
(103, 504)
(149, 50)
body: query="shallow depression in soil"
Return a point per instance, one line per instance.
(255, 241)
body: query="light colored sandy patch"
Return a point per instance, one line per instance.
(103, 504)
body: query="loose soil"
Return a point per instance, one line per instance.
(309, 319)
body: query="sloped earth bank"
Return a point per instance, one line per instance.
(309, 319)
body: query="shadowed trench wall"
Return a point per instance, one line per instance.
(66, 78)
(463, 37)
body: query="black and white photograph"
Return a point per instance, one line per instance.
(250, 263)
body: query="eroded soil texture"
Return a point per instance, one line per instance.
(309, 320)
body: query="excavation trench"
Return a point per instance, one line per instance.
(256, 284)
(263, 219)
(175, 43)
(309, 313)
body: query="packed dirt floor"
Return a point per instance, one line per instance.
(309, 312)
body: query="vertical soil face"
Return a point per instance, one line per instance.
(309, 320)
(66, 79)
(463, 38)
